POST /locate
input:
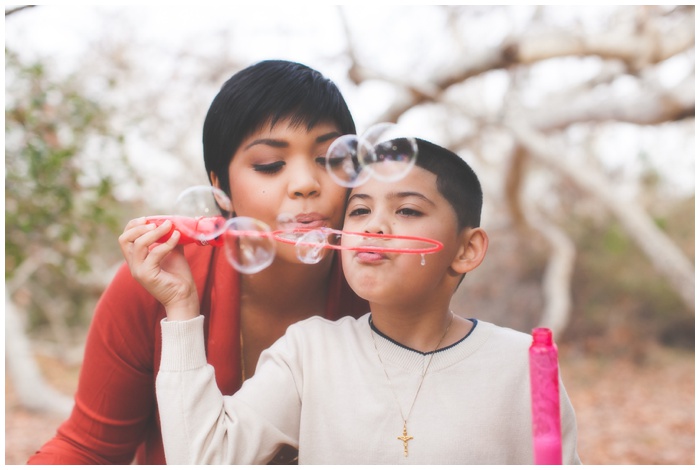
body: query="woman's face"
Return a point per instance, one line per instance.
(280, 171)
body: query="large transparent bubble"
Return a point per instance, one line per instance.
(388, 153)
(249, 244)
(343, 163)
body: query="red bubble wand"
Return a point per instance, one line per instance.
(211, 231)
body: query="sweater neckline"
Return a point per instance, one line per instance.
(401, 356)
(427, 353)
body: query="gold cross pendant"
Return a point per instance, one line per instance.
(405, 438)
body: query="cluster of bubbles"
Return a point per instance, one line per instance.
(381, 153)
(204, 214)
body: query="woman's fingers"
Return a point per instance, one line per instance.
(158, 252)
(142, 236)
(160, 267)
(138, 242)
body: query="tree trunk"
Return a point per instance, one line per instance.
(665, 256)
(32, 391)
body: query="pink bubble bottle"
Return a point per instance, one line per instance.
(544, 383)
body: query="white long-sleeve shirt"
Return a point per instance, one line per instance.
(321, 388)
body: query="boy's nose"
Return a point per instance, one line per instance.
(377, 225)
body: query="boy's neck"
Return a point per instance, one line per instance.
(420, 330)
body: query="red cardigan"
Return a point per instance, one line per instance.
(115, 416)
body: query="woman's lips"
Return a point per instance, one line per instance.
(307, 221)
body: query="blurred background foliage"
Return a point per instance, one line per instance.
(61, 215)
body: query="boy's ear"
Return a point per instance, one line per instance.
(472, 250)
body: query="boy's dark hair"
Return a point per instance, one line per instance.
(263, 94)
(456, 181)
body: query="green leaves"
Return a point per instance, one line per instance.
(62, 156)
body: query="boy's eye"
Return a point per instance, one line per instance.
(322, 161)
(269, 168)
(358, 211)
(409, 212)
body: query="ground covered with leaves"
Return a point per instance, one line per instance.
(628, 412)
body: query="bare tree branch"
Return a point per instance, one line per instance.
(17, 9)
(649, 104)
(635, 50)
(556, 281)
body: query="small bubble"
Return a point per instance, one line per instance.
(310, 247)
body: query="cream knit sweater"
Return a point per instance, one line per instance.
(321, 388)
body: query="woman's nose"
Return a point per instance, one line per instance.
(303, 181)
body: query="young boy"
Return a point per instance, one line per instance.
(411, 382)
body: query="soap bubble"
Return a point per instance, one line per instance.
(249, 244)
(343, 163)
(209, 206)
(287, 227)
(392, 154)
(310, 247)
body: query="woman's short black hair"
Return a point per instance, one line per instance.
(263, 94)
(456, 181)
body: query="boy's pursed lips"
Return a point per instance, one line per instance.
(370, 257)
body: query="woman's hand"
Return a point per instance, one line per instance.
(161, 268)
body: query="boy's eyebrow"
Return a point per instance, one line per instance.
(283, 143)
(405, 194)
(359, 196)
(394, 195)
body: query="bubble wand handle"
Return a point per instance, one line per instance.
(189, 227)
(544, 384)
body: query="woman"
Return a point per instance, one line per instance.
(265, 137)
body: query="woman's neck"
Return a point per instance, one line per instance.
(275, 298)
(286, 289)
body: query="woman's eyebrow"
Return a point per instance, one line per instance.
(326, 137)
(271, 142)
(277, 143)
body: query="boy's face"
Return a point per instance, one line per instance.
(412, 206)
(281, 171)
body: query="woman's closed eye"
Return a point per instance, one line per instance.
(321, 161)
(269, 168)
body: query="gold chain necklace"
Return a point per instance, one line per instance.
(404, 437)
